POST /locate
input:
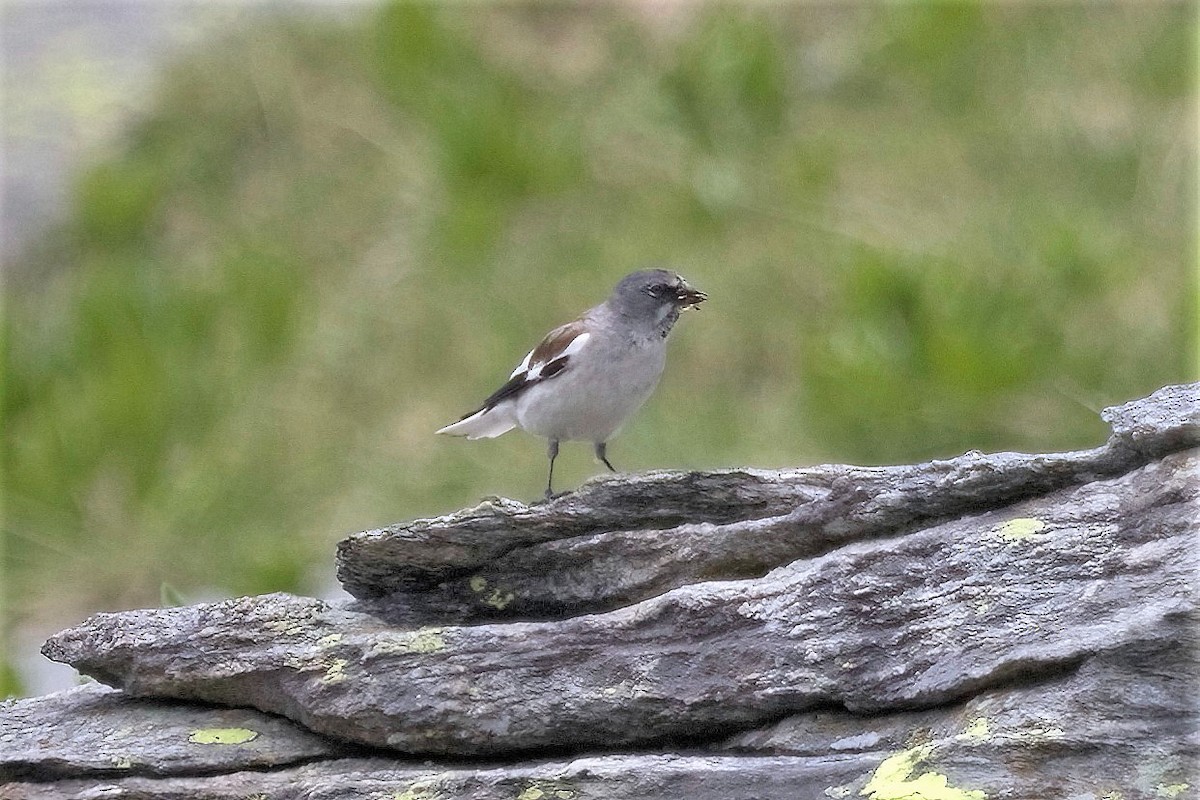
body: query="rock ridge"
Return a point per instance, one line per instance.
(992, 625)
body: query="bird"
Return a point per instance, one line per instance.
(586, 378)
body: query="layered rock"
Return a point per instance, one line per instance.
(991, 625)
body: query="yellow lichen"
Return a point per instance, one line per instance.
(423, 640)
(335, 672)
(427, 640)
(977, 729)
(544, 791)
(424, 789)
(222, 736)
(1171, 789)
(284, 627)
(892, 780)
(330, 640)
(1021, 528)
(499, 599)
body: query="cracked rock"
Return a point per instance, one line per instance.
(627, 538)
(904, 622)
(993, 625)
(97, 731)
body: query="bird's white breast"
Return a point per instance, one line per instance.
(601, 390)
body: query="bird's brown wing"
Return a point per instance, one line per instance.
(548, 359)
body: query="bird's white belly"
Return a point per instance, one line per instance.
(586, 404)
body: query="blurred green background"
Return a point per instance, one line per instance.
(924, 228)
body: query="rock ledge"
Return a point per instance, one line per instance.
(1001, 625)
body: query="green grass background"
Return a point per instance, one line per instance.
(924, 228)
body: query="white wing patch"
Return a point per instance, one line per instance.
(498, 412)
(524, 365)
(534, 371)
(576, 345)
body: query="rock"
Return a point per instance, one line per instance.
(97, 731)
(658, 776)
(910, 621)
(989, 626)
(1139, 741)
(623, 539)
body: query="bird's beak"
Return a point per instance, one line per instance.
(687, 297)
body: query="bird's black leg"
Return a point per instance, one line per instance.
(553, 453)
(601, 453)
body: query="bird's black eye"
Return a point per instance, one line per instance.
(659, 291)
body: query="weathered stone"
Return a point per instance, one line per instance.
(1121, 725)
(623, 539)
(916, 620)
(94, 730)
(1165, 422)
(613, 777)
(989, 626)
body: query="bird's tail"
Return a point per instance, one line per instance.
(486, 423)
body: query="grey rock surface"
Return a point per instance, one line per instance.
(659, 776)
(1121, 725)
(989, 626)
(911, 621)
(97, 731)
(627, 538)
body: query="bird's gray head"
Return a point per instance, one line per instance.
(654, 298)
